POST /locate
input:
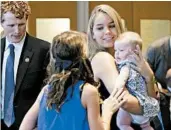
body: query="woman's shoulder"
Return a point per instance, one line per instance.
(102, 59)
(102, 55)
(43, 91)
(102, 62)
(90, 93)
(89, 89)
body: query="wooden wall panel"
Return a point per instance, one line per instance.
(150, 10)
(132, 12)
(55, 9)
(124, 8)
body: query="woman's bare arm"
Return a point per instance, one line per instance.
(104, 68)
(90, 100)
(30, 119)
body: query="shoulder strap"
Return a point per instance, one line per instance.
(81, 88)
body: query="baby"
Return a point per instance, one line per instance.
(124, 45)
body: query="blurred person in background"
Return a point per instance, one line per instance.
(159, 58)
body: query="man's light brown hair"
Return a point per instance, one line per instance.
(20, 9)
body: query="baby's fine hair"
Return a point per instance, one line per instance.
(131, 38)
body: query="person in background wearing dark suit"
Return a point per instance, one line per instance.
(168, 81)
(159, 58)
(23, 64)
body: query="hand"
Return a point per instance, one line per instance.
(113, 102)
(147, 124)
(141, 65)
(157, 95)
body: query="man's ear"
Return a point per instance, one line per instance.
(2, 25)
(2, 20)
(93, 36)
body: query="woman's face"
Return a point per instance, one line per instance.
(104, 30)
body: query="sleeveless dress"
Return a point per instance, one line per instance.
(105, 94)
(72, 115)
(136, 85)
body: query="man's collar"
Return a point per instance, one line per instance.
(15, 44)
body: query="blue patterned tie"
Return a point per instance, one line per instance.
(9, 117)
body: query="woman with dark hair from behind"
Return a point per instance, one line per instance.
(70, 100)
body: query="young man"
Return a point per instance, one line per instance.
(23, 64)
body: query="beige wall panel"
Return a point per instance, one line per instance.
(150, 10)
(52, 9)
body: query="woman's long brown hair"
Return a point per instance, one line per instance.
(69, 64)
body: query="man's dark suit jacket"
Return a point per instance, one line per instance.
(30, 74)
(159, 59)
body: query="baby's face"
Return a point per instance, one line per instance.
(122, 50)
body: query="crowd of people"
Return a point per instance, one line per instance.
(94, 81)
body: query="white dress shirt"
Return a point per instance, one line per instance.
(17, 51)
